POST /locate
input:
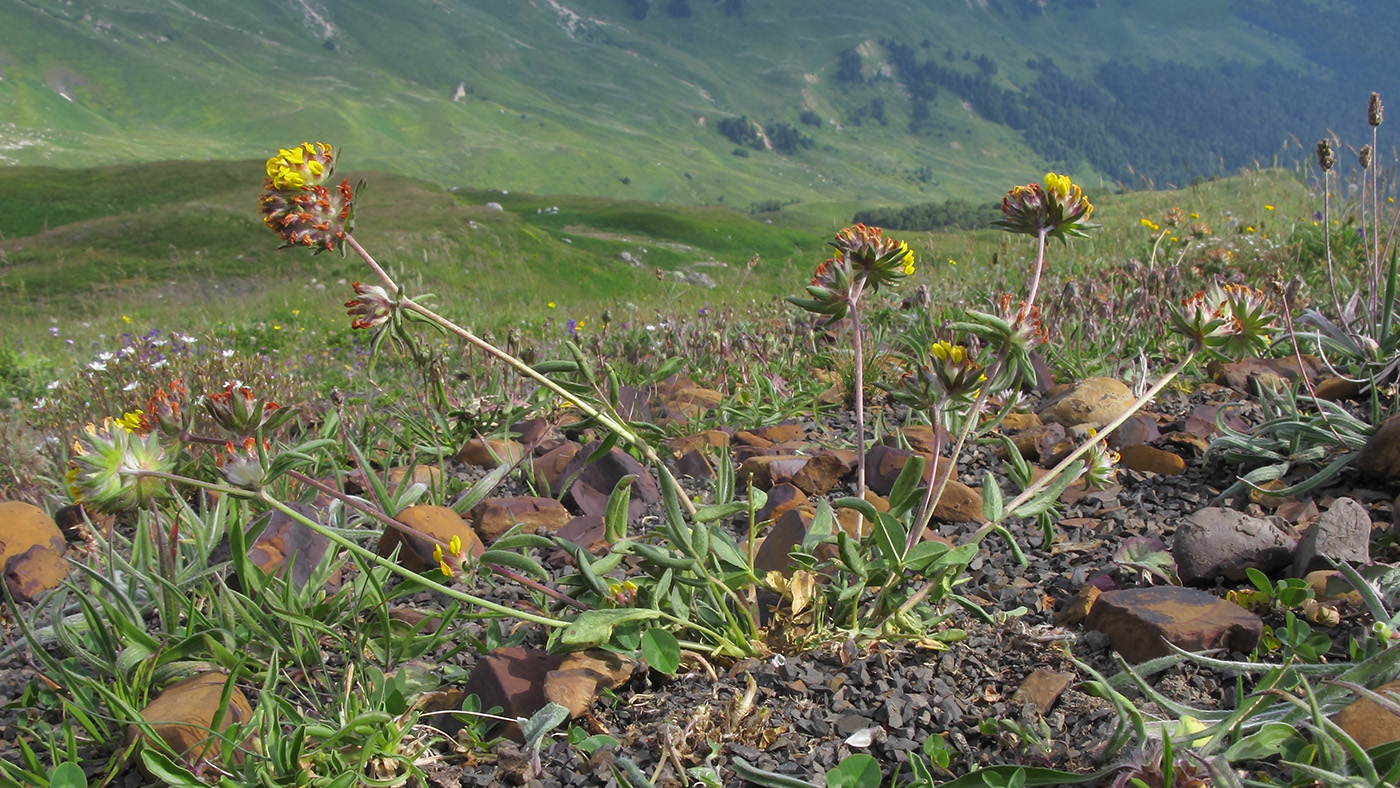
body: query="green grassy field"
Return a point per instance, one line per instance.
(90, 255)
(579, 99)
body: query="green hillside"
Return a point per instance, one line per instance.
(842, 106)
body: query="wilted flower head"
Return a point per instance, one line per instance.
(105, 465)
(238, 411)
(1200, 230)
(243, 465)
(1374, 110)
(1175, 216)
(1101, 465)
(299, 206)
(1059, 209)
(1231, 320)
(370, 307)
(1326, 158)
(166, 411)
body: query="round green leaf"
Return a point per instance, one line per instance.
(661, 651)
(855, 771)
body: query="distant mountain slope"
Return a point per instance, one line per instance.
(740, 102)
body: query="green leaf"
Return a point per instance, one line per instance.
(1266, 742)
(1046, 499)
(615, 516)
(516, 561)
(159, 766)
(890, 537)
(718, 511)
(595, 627)
(905, 492)
(68, 775)
(661, 650)
(747, 771)
(541, 723)
(991, 498)
(854, 771)
(822, 527)
(481, 489)
(861, 505)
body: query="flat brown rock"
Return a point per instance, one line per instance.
(781, 499)
(761, 471)
(786, 534)
(1043, 688)
(1094, 401)
(182, 716)
(513, 679)
(1150, 459)
(31, 550)
(1139, 622)
(494, 516)
(593, 482)
(286, 541)
(439, 523)
(1380, 457)
(490, 452)
(1369, 724)
(708, 440)
(549, 467)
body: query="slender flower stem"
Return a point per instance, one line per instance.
(521, 367)
(1108, 429)
(926, 506)
(1035, 273)
(931, 499)
(860, 393)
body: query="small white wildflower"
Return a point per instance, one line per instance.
(98, 366)
(130, 386)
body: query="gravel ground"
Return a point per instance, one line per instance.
(801, 714)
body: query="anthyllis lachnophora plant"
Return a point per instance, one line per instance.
(864, 260)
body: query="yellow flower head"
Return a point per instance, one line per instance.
(1149, 224)
(944, 350)
(1058, 209)
(300, 167)
(454, 547)
(1058, 185)
(871, 255)
(132, 421)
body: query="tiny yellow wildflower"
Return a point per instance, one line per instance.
(1195, 216)
(1268, 207)
(1249, 228)
(126, 319)
(455, 548)
(550, 305)
(1058, 185)
(944, 350)
(951, 261)
(1149, 224)
(131, 420)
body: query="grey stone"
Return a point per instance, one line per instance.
(1342, 533)
(1216, 542)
